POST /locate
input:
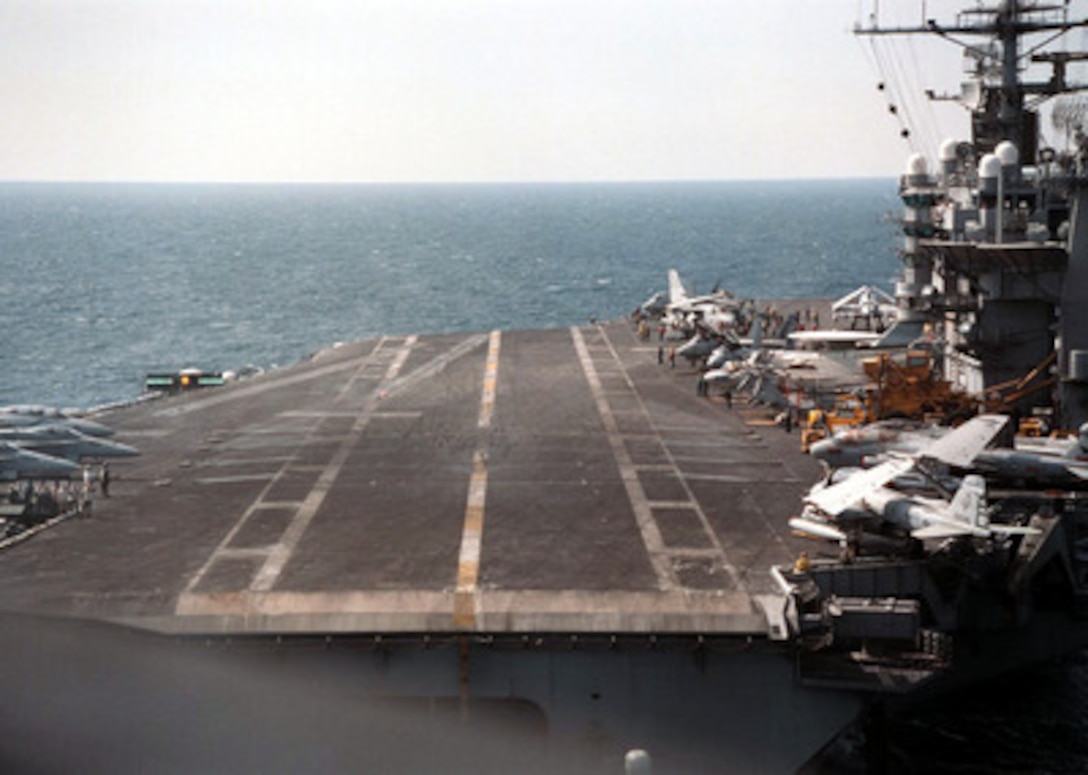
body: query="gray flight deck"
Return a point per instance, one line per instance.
(530, 481)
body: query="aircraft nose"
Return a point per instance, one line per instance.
(90, 428)
(123, 450)
(109, 449)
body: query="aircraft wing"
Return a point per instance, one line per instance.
(16, 463)
(949, 530)
(945, 530)
(848, 493)
(677, 292)
(959, 447)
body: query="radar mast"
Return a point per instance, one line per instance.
(995, 248)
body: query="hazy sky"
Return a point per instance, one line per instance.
(457, 90)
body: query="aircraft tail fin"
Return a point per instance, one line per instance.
(969, 502)
(968, 512)
(969, 506)
(677, 292)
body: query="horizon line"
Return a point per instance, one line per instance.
(442, 182)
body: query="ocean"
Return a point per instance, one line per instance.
(103, 283)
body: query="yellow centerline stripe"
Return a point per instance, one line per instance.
(468, 563)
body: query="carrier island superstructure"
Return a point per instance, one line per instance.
(995, 284)
(995, 249)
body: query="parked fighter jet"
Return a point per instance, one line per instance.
(872, 443)
(654, 307)
(1045, 463)
(704, 344)
(1061, 464)
(36, 415)
(751, 376)
(865, 497)
(60, 441)
(921, 517)
(714, 313)
(18, 463)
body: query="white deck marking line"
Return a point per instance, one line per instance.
(670, 505)
(694, 553)
(644, 518)
(465, 601)
(244, 553)
(366, 369)
(435, 365)
(230, 462)
(682, 478)
(263, 384)
(388, 387)
(281, 552)
(223, 548)
(211, 480)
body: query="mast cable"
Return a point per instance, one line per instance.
(926, 108)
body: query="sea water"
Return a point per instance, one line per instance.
(103, 283)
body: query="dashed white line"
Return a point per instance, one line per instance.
(465, 602)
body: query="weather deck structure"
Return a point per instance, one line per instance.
(557, 480)
(550, 519)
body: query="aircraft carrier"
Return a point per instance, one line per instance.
(554, 540)
(545, 517)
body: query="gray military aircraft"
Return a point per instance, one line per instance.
(832, 511)
(36, 415)
(1057, 463)
(1046, 463)
(654, 307)
(714, 313)
(872, 443)
(63, 442)
(17, 463)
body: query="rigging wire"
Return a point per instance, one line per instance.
(925, 103)
(884, 86)
(905, 96)
(886, 76)
(898, 102)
